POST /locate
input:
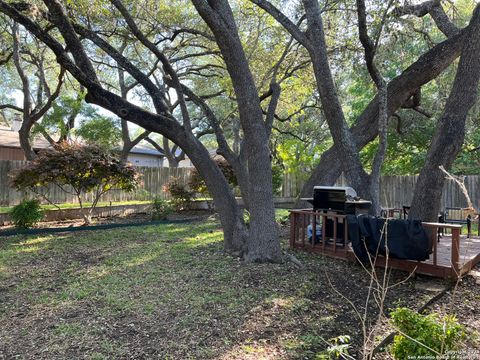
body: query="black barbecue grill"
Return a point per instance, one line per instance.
(338, 199)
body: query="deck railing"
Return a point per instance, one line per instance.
(333, 239)
(455, 249)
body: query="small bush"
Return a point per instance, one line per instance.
(160, 209)
(181, 196)
(26, 214)
(430, 332)
(197, 184)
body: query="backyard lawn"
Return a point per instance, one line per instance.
(169, 292)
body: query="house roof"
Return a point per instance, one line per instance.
(146, 150)
(9, 138)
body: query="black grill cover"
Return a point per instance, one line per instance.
(406, 239)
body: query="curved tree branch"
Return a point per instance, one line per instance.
(435, 9)
(165, 62)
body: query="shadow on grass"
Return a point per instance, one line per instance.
(165, 291)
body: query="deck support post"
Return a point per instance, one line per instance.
(293, 229)
(455, 252)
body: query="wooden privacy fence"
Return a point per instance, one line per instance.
(153, 180)
(395, 191)
(291, 186)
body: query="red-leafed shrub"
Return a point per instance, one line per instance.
(181, 195)
(78, 170)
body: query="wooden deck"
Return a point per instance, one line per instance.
(453, 256)
(469, 252)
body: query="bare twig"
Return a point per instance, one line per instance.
(460, 180)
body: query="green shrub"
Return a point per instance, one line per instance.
(160, 209)
(197, 184)
(26, 214)
(277, 179)
(432, 334)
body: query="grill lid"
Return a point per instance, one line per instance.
(349, 192)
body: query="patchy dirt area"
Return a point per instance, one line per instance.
(169, 291)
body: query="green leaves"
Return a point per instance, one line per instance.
(102, 131)
(424, 334)
(26, 214)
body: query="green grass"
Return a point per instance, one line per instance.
(168, 291)
(6, 209)
(281, 213)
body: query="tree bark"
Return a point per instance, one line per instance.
(234, 158)
(370, 49)
(450, 130)
(169, 154)
(24, 132)
(235, 233)
(347, 153)
(263, 243)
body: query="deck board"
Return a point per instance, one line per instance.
(469, 249)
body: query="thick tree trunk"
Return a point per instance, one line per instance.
(450, 131)
(400, 89)
(173, 163)
(263, 243)
(375, 175)
(370, 49)
(347, 153)
(24, 137)
(124, 153)
(231, 216)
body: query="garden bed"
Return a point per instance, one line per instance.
(73, 212)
